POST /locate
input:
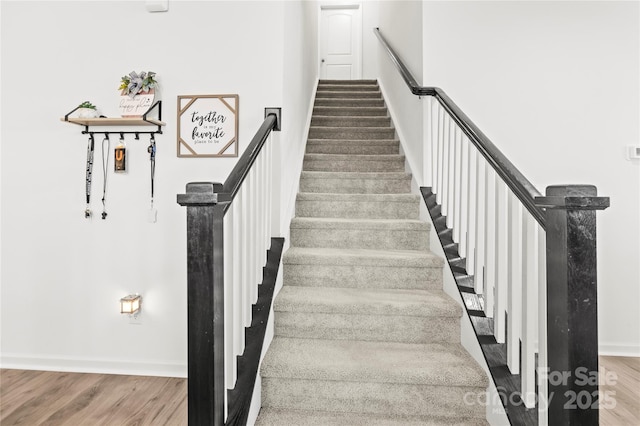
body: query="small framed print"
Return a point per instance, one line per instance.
(208, 126)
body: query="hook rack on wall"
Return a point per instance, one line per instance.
(124, 121)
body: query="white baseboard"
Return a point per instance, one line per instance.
(618, 350)
(87, 365)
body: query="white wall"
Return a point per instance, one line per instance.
(62, 276)
(400, 23)
(555, 86)
(299, 79)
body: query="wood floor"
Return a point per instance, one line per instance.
(33, 398)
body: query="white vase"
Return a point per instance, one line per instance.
(87, 113)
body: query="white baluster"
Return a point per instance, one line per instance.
(457, 184)
(246, 246)
(445, 166)
(251, 181)
(515, 289)
(452, 174)
(238, 331)
(427, 155)
(529, 309)
(440, 155)
(471, 217)
(490, 242)
(464, 199)
(481, 189)
(269, 192)
(229, 356)
(543, 366)
(501, 260)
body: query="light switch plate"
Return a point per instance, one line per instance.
(157, 5)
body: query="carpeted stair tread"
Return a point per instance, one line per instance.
(379, 302)
(361, 257)
(346, 223)
(387, 198)
(350, 121)
(288, 417)
(357, 147)
(374, 206)
(347, 87)
(349, 94)
(356, 133)
(349, 102)
(355, 182)
(435, 364)
(326, 111)
(354, 163)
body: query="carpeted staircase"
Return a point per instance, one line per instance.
(364, 334)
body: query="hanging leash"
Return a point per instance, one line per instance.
(90, 148)
(153, 213)
(105, 165)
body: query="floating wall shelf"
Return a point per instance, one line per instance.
(119, 121)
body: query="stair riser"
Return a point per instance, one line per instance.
(353, 148)
(349, 82)
(373, 398)
(335, 121)
(405, 329)
(350, 103)
(357, 210)
(343, 94)
(363, 276)
(278, 417)
(356, 186)
(348, 88)
(381, 239)
(346, 165)
(349, 133)
(350, 112)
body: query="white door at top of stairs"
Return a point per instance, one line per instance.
(340, 42)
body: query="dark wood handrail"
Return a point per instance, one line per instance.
(515, 180)
(241, 170)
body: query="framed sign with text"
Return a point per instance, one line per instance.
(208, 126)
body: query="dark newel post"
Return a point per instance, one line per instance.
(205, 300)
(572, 309)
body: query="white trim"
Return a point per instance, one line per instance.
(91, 365)
(289, 210)
(609, 349)
(411, 162)
(340, 6)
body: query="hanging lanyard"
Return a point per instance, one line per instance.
(90, 146)
(105, 165)
(152, 159)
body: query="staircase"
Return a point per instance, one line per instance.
(364, 334)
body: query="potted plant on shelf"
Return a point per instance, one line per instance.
(137, 92)
(87, 110)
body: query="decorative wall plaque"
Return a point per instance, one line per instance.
(208, 126)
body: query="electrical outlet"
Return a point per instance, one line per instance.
(633, 152)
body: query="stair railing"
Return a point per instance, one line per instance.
(529, 266)
(228, 234)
